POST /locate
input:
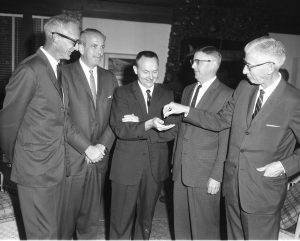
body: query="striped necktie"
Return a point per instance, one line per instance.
(93, 86)
(258, 103)
(193, 103)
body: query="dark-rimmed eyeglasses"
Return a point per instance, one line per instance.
(75, 41)
(197, 61)
(250, 66)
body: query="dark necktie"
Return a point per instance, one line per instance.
(58, 72)
(93, 86)
(193, 103)
(148, 97)
(258, 103)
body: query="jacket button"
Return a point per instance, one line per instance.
(62, 109)
(247, 132)
(242, 150)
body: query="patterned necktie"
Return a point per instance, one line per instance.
(148, 98)
(258, 103)
(93, 86)
(193, 103)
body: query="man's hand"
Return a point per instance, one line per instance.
(274, 169)
(94, 154)
(130, 118)
(213, 186)
(157, 124)
(175, 108)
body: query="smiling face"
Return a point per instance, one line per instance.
(92, 49)
(65, 45)
(147, 71)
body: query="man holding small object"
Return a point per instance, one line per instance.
(140, 160)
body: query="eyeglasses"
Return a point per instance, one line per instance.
(75, 41)
(249, 66)
(197, 61)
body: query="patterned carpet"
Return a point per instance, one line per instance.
(161, 228)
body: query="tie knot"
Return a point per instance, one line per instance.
(148, 92)
(91, 71)
(262, 92)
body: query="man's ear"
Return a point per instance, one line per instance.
(81, 48)
(135, 69)
(271, 68)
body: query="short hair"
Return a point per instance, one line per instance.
(147, 54)
(57, 22)
(273, 49)
(87, 31)
(212, 51)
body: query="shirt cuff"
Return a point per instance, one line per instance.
(186, 114)
(282, 167)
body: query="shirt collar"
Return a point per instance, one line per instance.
(52, 60)
(143, 88)
(86, 69)
(207, 83)
(272, 87)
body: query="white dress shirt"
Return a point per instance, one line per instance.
(144, 89)
(268, 91)
(86, 71)
(202, 90)
(52, 60)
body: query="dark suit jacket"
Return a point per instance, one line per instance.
(271, 136)
(34, 124)
(133, 147)
(93, 121)
(201, 153)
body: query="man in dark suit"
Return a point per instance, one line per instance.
(199, 154)
(140, 159)
(34, 126)
(264, 116)
(90, 91)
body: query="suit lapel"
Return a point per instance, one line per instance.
(187, 99)
(206, 98)
(100, 83)
(100, 88)
(155, 99)
(140, 98)
(51, 73)
(251, 103)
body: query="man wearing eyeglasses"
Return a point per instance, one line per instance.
(34, 128)
(264, 116)
(200, 154)
(90, 91)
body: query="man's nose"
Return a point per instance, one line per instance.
(245, 69)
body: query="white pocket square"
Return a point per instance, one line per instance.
(272, 125)
(109, 97)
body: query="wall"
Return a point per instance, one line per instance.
(126, 37)
(292, 63)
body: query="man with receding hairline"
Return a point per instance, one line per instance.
(199, 154)
(264, 116)
(140, 159)
(35, 128)
(90, 92)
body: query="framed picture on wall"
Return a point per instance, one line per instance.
(121, 66)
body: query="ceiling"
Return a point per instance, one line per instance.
(157, 11)
(162, 3)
